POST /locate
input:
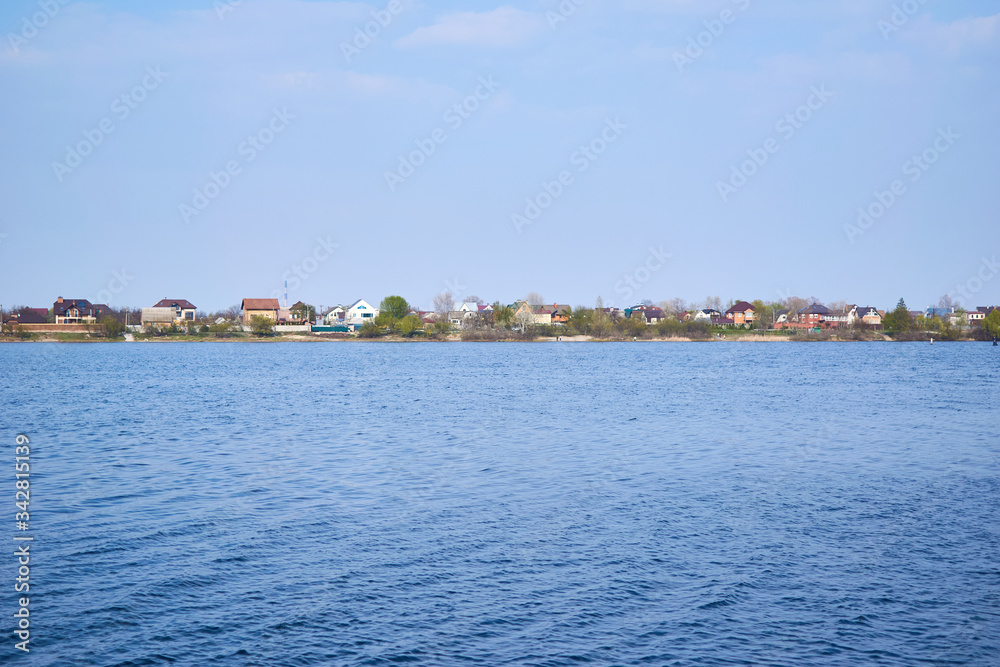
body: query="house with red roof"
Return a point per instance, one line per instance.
(263, 307)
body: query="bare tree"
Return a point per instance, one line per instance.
(674, 306)
(524, 319)
(600, 324)
(444, 303)
(713, 302)
(794, 304)
(946, 302)
(535, 299)
(474, 299)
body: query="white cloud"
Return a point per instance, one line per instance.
(505, 26)
(955, 38)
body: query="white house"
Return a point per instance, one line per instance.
(335, 316)
(360, 312)
(705, 315)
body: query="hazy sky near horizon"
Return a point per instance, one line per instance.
(642, 149)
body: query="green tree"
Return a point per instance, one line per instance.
(898, 320)
(386, 321)
(580, 319)
(111, 327)
(261, 325)
(221, 330)
(503, 315)
(369, 330)
(633, 326)
(992, 323)
(410, 325)
(305, 312)
(396, 306)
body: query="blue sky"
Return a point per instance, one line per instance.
(644, 126)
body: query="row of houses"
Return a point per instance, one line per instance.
(818, 316)
(64, 311)
(353, 316)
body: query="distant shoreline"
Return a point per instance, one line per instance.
(455, 339)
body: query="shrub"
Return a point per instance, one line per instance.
(111, 327)
(261, 325)
(369, 330)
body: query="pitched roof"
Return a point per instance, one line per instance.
(741, 307)
(28, 317)
(86, 308)
(260, 304)
(815, 309)
(183, 304)
(62, 305)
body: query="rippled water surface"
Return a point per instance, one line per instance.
(504, 504)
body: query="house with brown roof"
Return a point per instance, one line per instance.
(78, 311)
(263, 307)
(560, 313)
(29, 316)
(742, 314)
(651, 314)
(868, 315)
(979, 315)
(183, 309)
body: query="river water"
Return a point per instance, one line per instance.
(541, 504)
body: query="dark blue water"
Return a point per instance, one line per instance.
(505, 504)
